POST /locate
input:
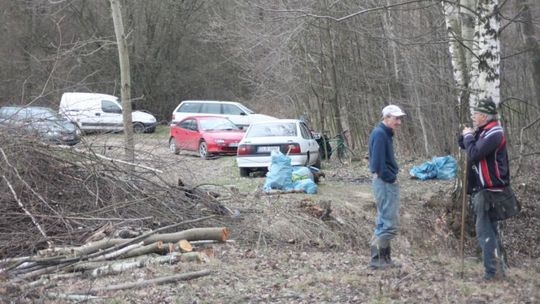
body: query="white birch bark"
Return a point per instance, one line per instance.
(485, 72)
(475, 53)
(460, 23)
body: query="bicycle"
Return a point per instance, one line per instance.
(336, 145)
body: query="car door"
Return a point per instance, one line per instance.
(186, 134)
(110, 116)
(311, 143)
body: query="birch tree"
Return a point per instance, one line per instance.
(460, 24)
(475, 54)
(475, 57)
(485, 72)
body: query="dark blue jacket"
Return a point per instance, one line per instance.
(488, 158)
(381, 153)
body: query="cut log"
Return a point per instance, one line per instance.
(184, 246)
(97, 246)
(119, 267)
(161, 280)
(195, 234)
(119, 252)
(156, 247)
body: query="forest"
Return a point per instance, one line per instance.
(118, 219)
(335, 63)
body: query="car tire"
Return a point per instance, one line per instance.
(203, 150)
(138, 128)
(244, 172)
(172, 146)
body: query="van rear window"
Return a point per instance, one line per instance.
(190, 108)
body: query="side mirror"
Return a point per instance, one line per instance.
(243, 114)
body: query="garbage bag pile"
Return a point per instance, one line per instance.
(440, 167)
(283, 176)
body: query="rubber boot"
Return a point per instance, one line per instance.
(378, 260)
(386, 254)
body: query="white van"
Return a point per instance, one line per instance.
(236, 112)
(102, 112)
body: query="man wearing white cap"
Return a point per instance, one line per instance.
(383, 165)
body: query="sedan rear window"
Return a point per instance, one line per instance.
(269, 130)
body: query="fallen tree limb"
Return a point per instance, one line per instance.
(156, 281)
(117, 253)
(144, 236)
(56, 264)
(175, 257)
(274, 192)
(219, 234)
(109, 244)
(195, 234)
(38, 226)
(157, 247)
(160, 248)
(73, 297)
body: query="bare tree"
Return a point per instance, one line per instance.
(125, 77)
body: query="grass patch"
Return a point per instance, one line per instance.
(162, 131)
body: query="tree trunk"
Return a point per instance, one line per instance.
(531, 45)
(485, 72)
(125, 79)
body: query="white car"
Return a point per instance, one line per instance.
(236, 112)
(102, 112)
(291, 136)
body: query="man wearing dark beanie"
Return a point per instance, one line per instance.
(485, 145)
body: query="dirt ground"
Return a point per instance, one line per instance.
(281, 251)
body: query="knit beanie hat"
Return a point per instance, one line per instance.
(486, 106)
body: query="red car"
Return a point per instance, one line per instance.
(205, 134)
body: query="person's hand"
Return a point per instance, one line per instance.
(467, 131)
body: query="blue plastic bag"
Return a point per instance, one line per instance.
(300, 173)
(279, 175)
(307, 185)
(440, 167)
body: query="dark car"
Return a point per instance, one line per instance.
(43, 122)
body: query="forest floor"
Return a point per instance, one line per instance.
(282, 252)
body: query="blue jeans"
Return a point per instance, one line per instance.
(387, 220)
(487, 234)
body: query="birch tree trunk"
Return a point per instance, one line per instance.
(460, 24)
(485, 72)
(125, 79)
(475, 57)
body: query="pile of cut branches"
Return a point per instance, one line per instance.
(54, 195)
(27, 276)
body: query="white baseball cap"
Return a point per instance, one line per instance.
(392, 110)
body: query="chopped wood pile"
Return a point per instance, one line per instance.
(85, 214)
(109, 256)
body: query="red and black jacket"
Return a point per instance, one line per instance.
(487, 156)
